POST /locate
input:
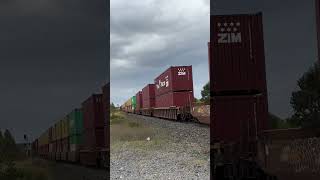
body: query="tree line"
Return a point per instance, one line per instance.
(8, 146)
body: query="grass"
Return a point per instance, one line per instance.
(133, 134)
(33, 169)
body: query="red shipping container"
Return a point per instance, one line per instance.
(237, 53)
(106, 102)
(139, 101)
(93, 114)
(209, 56)
(106, 108)
(148, 96)
(175, 78)
(238, 118)
(178, 99)
(94, 138)
(318, 25)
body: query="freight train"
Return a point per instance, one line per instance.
(170, 97)
(82, 136)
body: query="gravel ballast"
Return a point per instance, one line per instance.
(176, 151)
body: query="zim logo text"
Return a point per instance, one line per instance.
(229, 33)
(182, 71)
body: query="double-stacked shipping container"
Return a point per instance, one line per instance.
(43, 144)
(139, 104)
(105, 153)
(173, 92)
(93, 118)
(75, 134)
(148, 99)
(65, 138)
(237, 81)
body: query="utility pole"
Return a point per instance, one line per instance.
(27, 146)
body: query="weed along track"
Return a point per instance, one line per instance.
(151, 148)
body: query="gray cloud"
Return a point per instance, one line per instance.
(149, 36)
(53, 56)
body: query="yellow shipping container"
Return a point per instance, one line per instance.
(44, 138)
(54, 133)
(59, 130)
(65, 127)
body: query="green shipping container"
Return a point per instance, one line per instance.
(76, 122)
(134, 102)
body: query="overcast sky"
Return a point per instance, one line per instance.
(53, 56)
(149, 36)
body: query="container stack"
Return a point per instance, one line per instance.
(94, 124)
(59, 137)
(317, 10)
(237, 80)
(75, 131)
(174, 87)
(133, 104)
(65, 138)
(148, 99)
(44, 144)
(139, 102)
(106, 112)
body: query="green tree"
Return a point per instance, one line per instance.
(306, 100)
(278, 123)
(205, 93)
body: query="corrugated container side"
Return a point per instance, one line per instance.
(209, 57)
(59, 130)
(237, 54)
(178, 99)
(317, 9)
(93, 112)
(53, 133)
(139, 100)
(148, 96)
(106, 102)
(76, 141)
(134, 102)
(94, 138)
(65, 127)
(106, 108)
(238, 118)
(175, 78)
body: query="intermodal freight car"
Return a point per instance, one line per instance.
(170, 97)
(81, 136)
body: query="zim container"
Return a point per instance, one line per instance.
(176, 99)
(148, 96)
(237, 59)
(238, 119)
(92, 110)
(175, 78)
(139, 100)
